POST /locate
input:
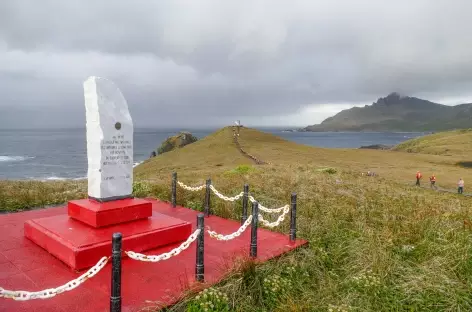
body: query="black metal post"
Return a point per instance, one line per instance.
(293, 217)
(207, 198)
(255, 219)
(200, 267)
(174, 189)
(245, 202)
(115, 295)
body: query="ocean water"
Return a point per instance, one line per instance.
(61, 153)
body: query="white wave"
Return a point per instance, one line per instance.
(54, 178)
(137, 163)
(14, 158)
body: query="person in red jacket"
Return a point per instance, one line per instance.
(433, 181)
(418, 178)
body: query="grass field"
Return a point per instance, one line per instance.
(451, 143)
(375, 243)
(216, 154)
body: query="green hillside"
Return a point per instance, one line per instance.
(216, 154)
(456, 143)
(399, 113)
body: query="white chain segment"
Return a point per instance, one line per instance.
(226, 198)
(22, 295)
(269, 210)
(279, 220)
(174, 252)
(228, 237)
(191, 188)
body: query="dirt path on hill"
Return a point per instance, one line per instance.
(444, 190)
(246, 154)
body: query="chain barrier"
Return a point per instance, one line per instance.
(22, 295)
(279, 220)
(191, 188)
(228, 237)
(269, 210)
(223, 197)
(174, 252)
(234, 198)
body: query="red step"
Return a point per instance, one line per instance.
(81, 246)
(99, 214)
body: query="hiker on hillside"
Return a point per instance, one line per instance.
(418, 178)
(460, 186)
(432, 179)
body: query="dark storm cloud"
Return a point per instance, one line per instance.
(210, 62)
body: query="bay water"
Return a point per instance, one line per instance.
(56, 154)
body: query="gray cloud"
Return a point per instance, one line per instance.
(210, 62)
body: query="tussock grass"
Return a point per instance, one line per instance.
(374, 246)
(375, 243)
(23, 195)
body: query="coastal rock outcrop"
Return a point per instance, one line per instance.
(377, 147)
(176, 141)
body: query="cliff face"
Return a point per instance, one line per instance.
(176, 141)
(399, 113)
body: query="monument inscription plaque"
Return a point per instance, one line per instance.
(109, 141)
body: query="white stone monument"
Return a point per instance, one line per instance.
(109, 141)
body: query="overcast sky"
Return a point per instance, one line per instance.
(208, 63)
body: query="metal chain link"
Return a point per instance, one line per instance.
(269, 210)
(232, 199)
(191, 188)
(279, 220)
(228, 237)
(174, 252)
(22, 295)
(223, 197)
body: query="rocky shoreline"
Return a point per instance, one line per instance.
(377, 147)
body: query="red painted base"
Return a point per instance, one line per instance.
(80, 246)
(26, 266)
(98, 214)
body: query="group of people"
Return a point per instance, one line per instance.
(432, 180)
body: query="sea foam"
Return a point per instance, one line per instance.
(14, 158)
(54, 178)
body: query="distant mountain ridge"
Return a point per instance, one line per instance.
(399, 113)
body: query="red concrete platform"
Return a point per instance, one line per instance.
(81, 246)
(26, 266)
(98, 214)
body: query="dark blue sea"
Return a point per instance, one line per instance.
(61, 153)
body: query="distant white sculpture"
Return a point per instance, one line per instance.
(238, 124)
(109, 141)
